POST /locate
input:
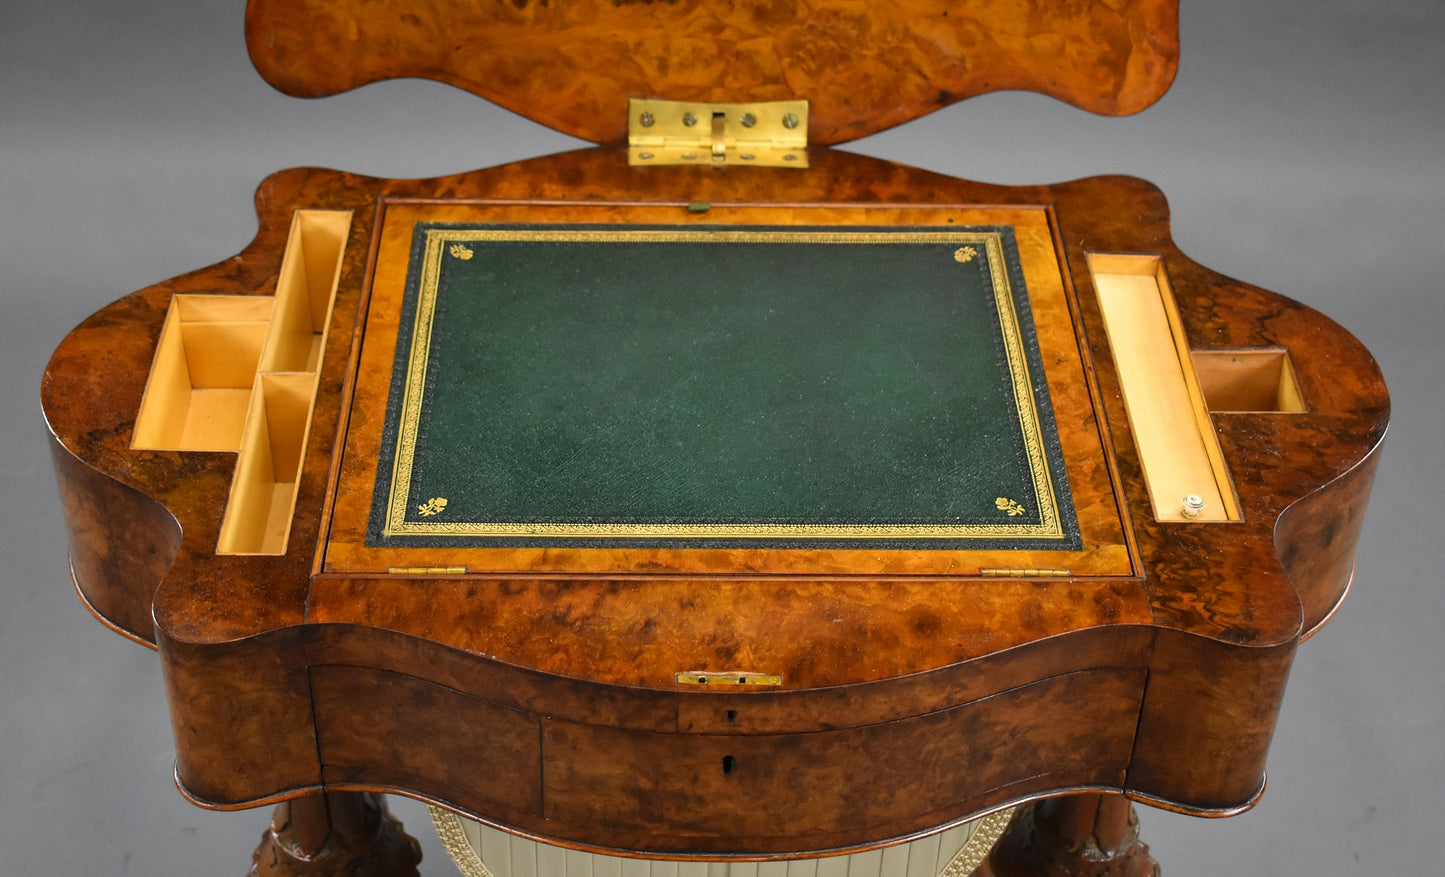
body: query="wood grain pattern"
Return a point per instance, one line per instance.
(864, 67)
(266, 657)
(735, 794)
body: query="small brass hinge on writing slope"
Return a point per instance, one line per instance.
(1024, 573)
(773, 134)
(426, 570)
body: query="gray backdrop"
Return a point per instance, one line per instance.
(1300, 148)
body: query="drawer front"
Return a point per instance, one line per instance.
(828, 789)
(378, 728)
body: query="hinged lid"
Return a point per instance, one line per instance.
(863, 67)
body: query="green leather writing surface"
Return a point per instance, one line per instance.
(686, 386)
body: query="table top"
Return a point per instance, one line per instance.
(979, 672)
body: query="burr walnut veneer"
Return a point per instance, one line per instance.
(220, 439)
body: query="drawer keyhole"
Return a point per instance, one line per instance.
(728, 763)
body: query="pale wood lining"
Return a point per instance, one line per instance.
(283, 387)
(304, 290)
(1172, 429)
(1249, 380)
(200, 380)
(214, 418)
(238, 373)
(223, 354)
(212, 347)
(264, 487)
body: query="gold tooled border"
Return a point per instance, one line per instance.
(1049, 525)
(986, 832)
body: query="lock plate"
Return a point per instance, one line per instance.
(727, 678)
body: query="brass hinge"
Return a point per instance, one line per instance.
(773, 134)
(992, 573)
(427, 570)
(705, 677)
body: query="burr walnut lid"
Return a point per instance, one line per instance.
(862, 66)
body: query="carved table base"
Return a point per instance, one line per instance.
(335, 834)
(350, 834)
(1091, 835)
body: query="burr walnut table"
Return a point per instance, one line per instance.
(717, 498)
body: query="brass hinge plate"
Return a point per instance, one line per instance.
(427, 570)
(773, 134)
(990, 573)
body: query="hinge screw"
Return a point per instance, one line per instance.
(646, 119)
(749, 120)
(790, 121)
(689, 119)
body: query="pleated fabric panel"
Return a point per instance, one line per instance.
(482, 851)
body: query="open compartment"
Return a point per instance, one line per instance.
(263, 491)
(304, 290)
(1248, 380)
(200, 381)
(1183, 465)
(288, 361)
(238, 373)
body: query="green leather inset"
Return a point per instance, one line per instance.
(783, 385)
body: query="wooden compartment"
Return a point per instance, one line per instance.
(278, 415)
(1183, 465)
(212, 347)
(200, 381)
(238, 373)
(263, 492)
(304, 291)
(1239, 381)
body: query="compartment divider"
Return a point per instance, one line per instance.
(267, 418)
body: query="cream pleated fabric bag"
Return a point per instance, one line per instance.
(482, 851)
